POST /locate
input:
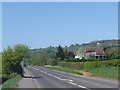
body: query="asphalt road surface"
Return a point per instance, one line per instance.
(46, 78)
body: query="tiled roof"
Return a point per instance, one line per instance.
(98, 51)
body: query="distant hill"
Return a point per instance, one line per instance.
(74, 47)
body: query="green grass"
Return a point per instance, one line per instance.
(65, 70)
(104, 72)
(107, 72)
(12, 83)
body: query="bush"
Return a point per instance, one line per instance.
(80, 60)
(52, 62)
(12, 75)
(4, 77)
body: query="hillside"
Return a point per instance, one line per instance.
(74, 47)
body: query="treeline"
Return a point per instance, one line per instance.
(53, 59)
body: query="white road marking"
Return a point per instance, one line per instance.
(70, 81)
(50, 74)
(56, 77)
(45, 72)
(83, 87)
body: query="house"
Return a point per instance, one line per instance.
(90, 53)
(94, 53)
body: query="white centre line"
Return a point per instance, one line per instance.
(69, 81)
(50, 74)
(72, 83)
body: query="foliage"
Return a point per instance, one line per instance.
(60, 53)
(40, 60)
(12, 57)
(81, 52)
(11, 83)
(107, 69)
(90, 65)
(112, 52)
(71, 55)
(5, 77)
(81, 60)
(52, 62)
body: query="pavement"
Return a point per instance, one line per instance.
(27, 81)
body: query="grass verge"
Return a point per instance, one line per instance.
(65, 70)
(12, 83)
(103, 72)
(106, 72)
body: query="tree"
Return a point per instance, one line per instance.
(60, 53)
(66, 54)
(81, 52)
(71, 55)
(40, 60)
(112, 52)
(12, 58)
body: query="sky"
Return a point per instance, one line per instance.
(40, 25)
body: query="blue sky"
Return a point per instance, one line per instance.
(43, 24)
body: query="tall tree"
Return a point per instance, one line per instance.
(60, 53)
(66, 54)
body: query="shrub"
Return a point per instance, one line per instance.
(12, 75)
(4, 77)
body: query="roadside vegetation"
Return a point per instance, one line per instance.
(107, 69)
(12, 82)
(69, 70)
(12, 58)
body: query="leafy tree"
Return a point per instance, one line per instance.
(112, 52)
(81, 52)
(12, 58)
(60, 53)
(66, 54)
(40, 60)
(71, 55)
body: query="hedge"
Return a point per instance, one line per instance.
(91, 64)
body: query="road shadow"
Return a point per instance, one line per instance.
(31, 77)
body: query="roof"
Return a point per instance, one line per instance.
(98, 50)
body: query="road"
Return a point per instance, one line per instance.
(46, 78)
